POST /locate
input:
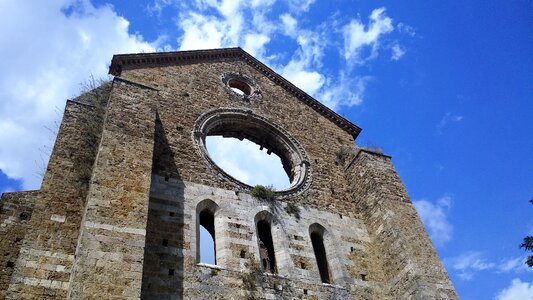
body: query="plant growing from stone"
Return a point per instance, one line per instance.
(342, 154)
(293, 209)
(95, 94)
(265, 193)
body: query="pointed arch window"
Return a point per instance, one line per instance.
(317, 232)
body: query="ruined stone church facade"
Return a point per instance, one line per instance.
(130, 182)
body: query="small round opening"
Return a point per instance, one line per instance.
(240, 87)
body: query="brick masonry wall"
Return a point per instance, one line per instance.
(15, 212)
(402, 253)
(109, 256)
(42, 269)
(188, 91)
(173, 217)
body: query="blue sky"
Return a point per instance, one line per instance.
(444, 87)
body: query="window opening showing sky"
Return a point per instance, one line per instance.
(244, 161)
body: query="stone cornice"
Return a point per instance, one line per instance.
(141, 60)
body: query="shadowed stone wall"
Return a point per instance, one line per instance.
(109, 256)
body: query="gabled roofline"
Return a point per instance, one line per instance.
(139, 60)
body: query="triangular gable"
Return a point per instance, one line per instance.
(141, 60)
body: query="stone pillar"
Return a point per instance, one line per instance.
(109, 255)
(409, 267)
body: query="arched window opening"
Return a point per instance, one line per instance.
(206, 238)
(317, 239)
(266, 246)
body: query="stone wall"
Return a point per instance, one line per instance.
(109, 255)
(190, 90)
(45, 260)
(118, 217)
(172, 269)
(404, 258)
(15, 212)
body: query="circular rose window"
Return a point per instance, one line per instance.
(244, 124)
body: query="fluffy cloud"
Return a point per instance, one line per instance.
(49, 48)
(434, 216)
(254, 43)
(347, 91)
(202, 32)
(517, 290)
(357, 37)
(309, 81)
(236, 23)
(289, 24)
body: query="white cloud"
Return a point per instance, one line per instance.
(434, 217)
(347, 91)
(446, 119)
(254, 44)
(289, 24)
(232, 26)
(50, 47)
(514, 264)
(406, 29)
(469, 263)
(201, 32)
(397, 51)
(517, 290)
(309, 81)
(245, 24)
(303, 69)
(244, 161)
(157, 7)
(262, 3)
(300, 5)
(356, 37)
